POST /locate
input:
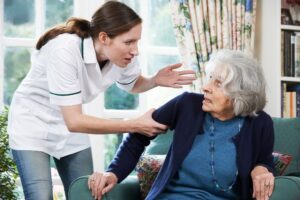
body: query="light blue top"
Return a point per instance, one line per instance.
(194, 180)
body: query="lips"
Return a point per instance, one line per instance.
(206, 100)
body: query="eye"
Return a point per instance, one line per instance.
(129, 42)
(218, 83)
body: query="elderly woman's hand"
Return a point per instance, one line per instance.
(263, 183)
(100, 183)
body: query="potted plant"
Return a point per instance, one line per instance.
(8, 170)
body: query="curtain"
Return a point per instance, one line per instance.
(204, 26)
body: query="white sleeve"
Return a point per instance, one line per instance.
(129, 76)
(63, 78)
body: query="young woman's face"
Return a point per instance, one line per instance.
(121, 49)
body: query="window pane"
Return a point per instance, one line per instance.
(134, 4)
(161, 28)
(19, 18)
(157, 62)
(58, 11)
(116, 98)
(112, 142)
(16, 66)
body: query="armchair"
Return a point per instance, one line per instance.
(287, 140)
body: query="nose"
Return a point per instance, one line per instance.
(134, 50)
(206, 88)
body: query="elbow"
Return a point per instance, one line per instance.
(134, 91)
(73, 126)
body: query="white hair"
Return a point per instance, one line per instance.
(243, 80)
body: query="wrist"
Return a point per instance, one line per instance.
(259, 170)
(113, 175)
(154, 81)
(130, 125)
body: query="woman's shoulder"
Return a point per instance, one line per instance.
(188, 101)
(191, 97)
(63, 41)
(263, 118)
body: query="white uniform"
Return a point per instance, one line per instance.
(64, 72)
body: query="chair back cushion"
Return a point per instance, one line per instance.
(160, 145)
(287, 141)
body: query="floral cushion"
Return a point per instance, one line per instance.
(281, 161)
(147, 170)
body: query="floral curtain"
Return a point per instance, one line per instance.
(203, 26)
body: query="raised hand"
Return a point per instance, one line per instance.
(169, 77)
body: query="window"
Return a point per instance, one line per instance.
(21, 22)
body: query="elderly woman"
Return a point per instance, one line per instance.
(223, 141)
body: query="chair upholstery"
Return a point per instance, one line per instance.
(287, 140)
(129, 188)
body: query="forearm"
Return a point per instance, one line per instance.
(128, 155)
(143, 84)
(89, 124)
(76, 121)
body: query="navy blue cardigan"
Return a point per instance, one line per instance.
(185, 116)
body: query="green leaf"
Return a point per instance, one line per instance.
(8, 170)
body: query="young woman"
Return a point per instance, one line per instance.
(73, 64)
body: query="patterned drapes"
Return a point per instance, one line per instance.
(203, 26)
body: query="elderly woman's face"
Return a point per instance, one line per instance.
(215, 100)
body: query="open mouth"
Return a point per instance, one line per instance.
(128, 59)
(206, 100)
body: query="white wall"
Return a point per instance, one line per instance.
(267, 50)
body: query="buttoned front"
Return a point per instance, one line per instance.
(64, 72)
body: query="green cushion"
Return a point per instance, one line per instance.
(160, 145)
(129, 188)
(287, 140)
(79, 190)
(286, 187)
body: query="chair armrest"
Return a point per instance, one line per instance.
(128, 188)
(79, 190)
(286, 187)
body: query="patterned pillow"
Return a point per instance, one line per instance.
(147, 170)
(281, 161)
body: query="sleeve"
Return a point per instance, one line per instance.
(129, 76)
(134, 144)
(63, 78)
(267, 144)
(128, 155)
(169, 112)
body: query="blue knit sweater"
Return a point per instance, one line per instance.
(184, 115)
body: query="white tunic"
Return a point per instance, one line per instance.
(60, 75)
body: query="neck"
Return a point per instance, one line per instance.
(98, 50)
(222, 116)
